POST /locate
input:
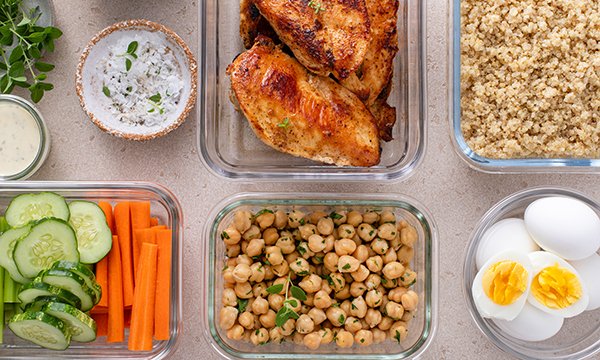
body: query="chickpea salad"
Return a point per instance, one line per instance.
(320, 278)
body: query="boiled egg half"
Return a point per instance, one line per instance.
(501, 286)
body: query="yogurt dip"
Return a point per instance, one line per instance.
(20, 138)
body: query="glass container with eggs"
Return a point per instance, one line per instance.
(530, 274)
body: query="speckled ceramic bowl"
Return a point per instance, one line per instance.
(89, 84)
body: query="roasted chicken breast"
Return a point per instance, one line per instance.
(252, 23)
(297, 112)
(325, 36)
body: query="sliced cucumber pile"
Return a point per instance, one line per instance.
(37, 290)
(94, 239)
(26, 208)
(42, 329)
(83, 327)
(8, 240)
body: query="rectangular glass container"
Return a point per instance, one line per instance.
(422, 327)
(484, 164)
(166, 208)
(229, 147)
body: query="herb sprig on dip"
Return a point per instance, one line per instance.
(22, 43)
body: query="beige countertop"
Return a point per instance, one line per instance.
(456, 195)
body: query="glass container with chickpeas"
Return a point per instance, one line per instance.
(298, 279)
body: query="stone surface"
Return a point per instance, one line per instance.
(456, 195)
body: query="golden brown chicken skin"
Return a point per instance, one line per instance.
(326, 36)
(252, 24)
(297, 112)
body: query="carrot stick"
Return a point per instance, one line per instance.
(159, 227)
(140, 215)
(123, 228)
(153, 221)
(102, 280)
(99, 310)
(140, 236)
(142, 313)
(101, 324)
(163, 286)
(116, 328)
(108, 213)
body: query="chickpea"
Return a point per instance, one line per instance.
(260, 306)
(374, 263)
(326, 287)
(274, 255)
(300, 267)
(339, 217)
(394, 310)
(270, 236)
(336, 316)
(372, 281)
(361, 273)
(396, 294)
(395, 243)
(281, 269)
(370, 217)
(246, 336)
(275, 301)
(305, 324)
(269, 274)
(233, 250)
(337, 281)
(380, 246)
(410, 300)
(243, 290)
(266, 219)
(294, 304)
(398, 331)
(246, 319)
(361, 253)
(317, 315)
(257, 272)
(373, 317)
(275, 335)
(387, 231)
(280, 219)
(252, 233)
(322, 300)
(243, 246)
(405, 255)
(329, 243)
(296, 235)
(389, 283)
(315, 216)
(366, 232)
(229, 297)
(344, 247)
(331, 261)
(298, 338)
(374, 298)
(244, 259)
(307, 230)
(305, 250)
(311, 283)
(390, 256)
(408, 316)
(267, 319)
(231, 236)
(359, 307)
(288, 327)
(295, 219)
(346, 306)
(393, 270)
(312, 340)
(408, 236)
(326, 335)
(255, 247)
(344, 293)
(385, 324)
(354, 218)
(364, 337)
(325, 226)
(286, 244)
(260, 336)
(384, 301)
(290, 258)
(387, 217)
(379, 336)
(344, 339)
(357, 289)
(347, 264)
(346, 231)
(316, 243)
(228, 276)
(236, 332)
(352, 324)
(242, 220)
(408, 278)
(227, 317)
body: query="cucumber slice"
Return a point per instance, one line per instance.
(85, 273)
(94, 239)
(32, 291)
(42, 329)
(39, 303)
(72, 282)
(8, 240)
(30, 207)
(48, 241)
(82, 327)
(3, 225)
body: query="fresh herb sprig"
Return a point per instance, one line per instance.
(156, 103)
(22, 42)
(316, 6)
(285, 123)
(287, 312)
(130, 54)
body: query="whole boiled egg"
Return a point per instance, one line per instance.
(556, 287)
(501, 286)
(532, 324)
(589, 270)
(506, 234)
(565, 226)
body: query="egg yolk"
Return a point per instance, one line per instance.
(505, 281)
(556, 287)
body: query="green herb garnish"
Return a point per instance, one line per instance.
(156, 102)
(287, 312)
(285, 123)
(242, 304)
(335, 216)
(106, 91)
(263, 211)
(316, 6)
(130, 54)
(346, 267)
(225, 235)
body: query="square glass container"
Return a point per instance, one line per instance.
(228, 146)
(421, 329)
(166, 208)
(579, 336)
(485, 164)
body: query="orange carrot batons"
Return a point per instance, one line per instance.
(102, 280)
(116, 328)
(108, 213)
(101, 324)
(123, 229)
(163, 286)
(142, 313)
(140, 215)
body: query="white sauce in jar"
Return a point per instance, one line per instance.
(20, 138)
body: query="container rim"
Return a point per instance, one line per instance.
(328, 199)
(492, 215)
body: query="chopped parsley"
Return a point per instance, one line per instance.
(285, 124)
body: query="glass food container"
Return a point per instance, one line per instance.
(44, 138)
(484, 164)
(422, 328)
(579, 337)
(228, 146)
(166, 208)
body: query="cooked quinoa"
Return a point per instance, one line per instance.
(530, 78)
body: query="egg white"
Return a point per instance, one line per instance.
(532, 324)
(589, 270)
(488, 308)
(543, 259)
